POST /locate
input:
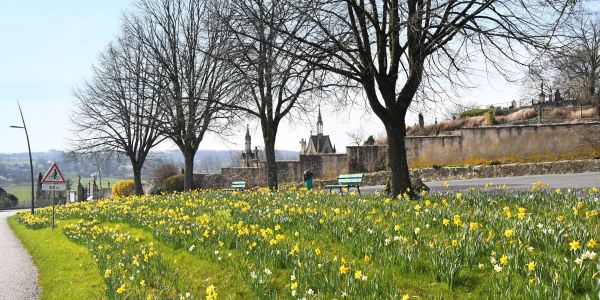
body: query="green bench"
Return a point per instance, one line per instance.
(347, 181)
(236, 186)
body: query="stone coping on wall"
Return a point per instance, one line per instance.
(492, 171)
(586, 122)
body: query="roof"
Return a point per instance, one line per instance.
(320, 142)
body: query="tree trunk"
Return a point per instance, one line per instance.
(188, 180)
(397, 162)
(137, 179)
(271, 163)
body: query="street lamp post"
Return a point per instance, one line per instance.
(24, 127)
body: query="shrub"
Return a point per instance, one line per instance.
(7, 200)
(174, 183)
(123, 188)
(474, 112)
(490, 117)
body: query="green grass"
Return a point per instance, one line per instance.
(23, 193)
(66, 270)
(198, 271)
(276, 245)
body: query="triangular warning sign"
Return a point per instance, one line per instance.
(53, 175)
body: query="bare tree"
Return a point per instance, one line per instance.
(272, 82)
(577, 64)
(118, 109)
(186, 41)
(356, 137)
(391, 48)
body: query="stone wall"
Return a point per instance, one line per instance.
(482, 145)
(289, 171)
(468, 146)
(252, 176)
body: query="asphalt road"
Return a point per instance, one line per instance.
(563, 181)
(18, 275)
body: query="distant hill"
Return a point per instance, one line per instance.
(14, 167)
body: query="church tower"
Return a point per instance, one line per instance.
(249, 159)
(319, 123)
(248, 140)
(317, 144)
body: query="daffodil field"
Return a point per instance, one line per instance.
(300, 244)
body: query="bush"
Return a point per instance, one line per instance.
(123, 188)
(7, 200)
(474, 112)
(174, 183)
(490, 117)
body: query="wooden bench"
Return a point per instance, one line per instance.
(236, 186)
(347, 181)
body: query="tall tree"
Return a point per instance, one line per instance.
(186, 41)
(389, 47)
(272, 80)
(577, 64)
(118, 109)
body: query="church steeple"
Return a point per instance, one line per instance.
(319, 123)
(248, 140)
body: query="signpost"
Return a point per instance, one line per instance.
(54, 181)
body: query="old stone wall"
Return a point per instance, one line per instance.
(289, 171)
(469, 146)
(482, 145)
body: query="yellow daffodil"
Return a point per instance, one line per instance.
(457, 220)
(504, 260)
(343, 269)
(358, 275)
(121, 289)
(473, 226)
(575, 245)
(211, 293)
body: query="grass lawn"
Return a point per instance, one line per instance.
(294, 244)
(71, 273)
(23, 193)
(66, 270)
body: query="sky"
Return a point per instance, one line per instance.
(47, 49)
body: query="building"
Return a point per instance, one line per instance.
(319, 143)
(249, 158)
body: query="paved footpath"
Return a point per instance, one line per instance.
(518, 183)
(18, 275)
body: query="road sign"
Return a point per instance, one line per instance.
(54, 180)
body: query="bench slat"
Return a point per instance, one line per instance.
(348, 176)
(336, 186)
(349, 181)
